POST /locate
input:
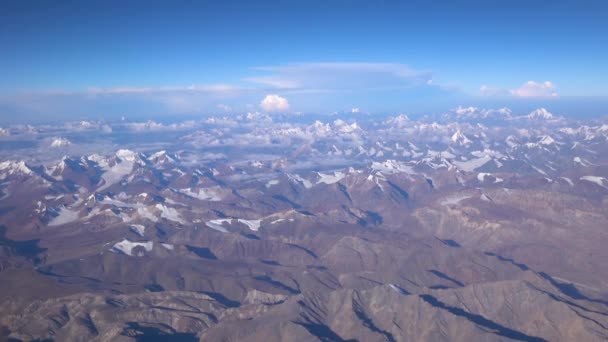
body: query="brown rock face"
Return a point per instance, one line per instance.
(339, 232)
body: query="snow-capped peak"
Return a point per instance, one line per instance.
(60, 142)
(11, 167)
(161, 157)
(127, 155)
(459, 138)
(344, 127)
(546, 140)
(541, 113)
(391, 166)
(398, 121)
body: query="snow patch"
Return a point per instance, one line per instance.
(595, 179)
(272, 182)
(330, 178)
(126, 247)
(218, 224)
(392, 166)
(472, 164)
(138, 229)
(305, 182)
(168, 246)
(169, 213)
(253, 225)
(203, 194)
(454, 199)
(65, 216)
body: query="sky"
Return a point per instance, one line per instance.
(106, 59)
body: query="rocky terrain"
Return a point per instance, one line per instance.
(473, 225)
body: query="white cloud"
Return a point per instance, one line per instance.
(339, 76)
(210, 88)
(224, 107)
(487, 90)
(274, 103)
(534, 89)
(155, 126)
(355, 110)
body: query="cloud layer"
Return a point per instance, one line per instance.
(340, 76)
(530, 89)
(534, 89)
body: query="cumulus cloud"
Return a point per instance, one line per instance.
(274, 103)
(355, 110)
(535, 89)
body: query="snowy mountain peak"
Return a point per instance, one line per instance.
(398, 121)
(542, 114)
(344, 127)
(127, 155)
(459, 138)
(60, 142)
(161, 157)
(546, 140)
(11, 167)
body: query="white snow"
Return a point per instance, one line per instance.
(13, 167)
(169, 213)
(472, 164)
(454, 199)
(568, 180)
(272, 182)
(305, 182)
(581, 161)
(203, 194)
(330, 178)
(125, 246)
(482, 176)
(161, 157)
(168, 246)
(144, 212)
(538, 170)
(541, 113)
(282, 220)
(546, 140)
(392, 166)
(487, 152)
(126, 155)
(218, 224)
(65, 216)
(397, 289)
(60, 142)
(251, 224)
(115, 173)
(138, 229)
(460, 139)
(595, 179)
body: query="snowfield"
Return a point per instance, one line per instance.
(126, 247)
(596, 180)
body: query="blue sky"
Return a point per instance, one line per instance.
(103, 59)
